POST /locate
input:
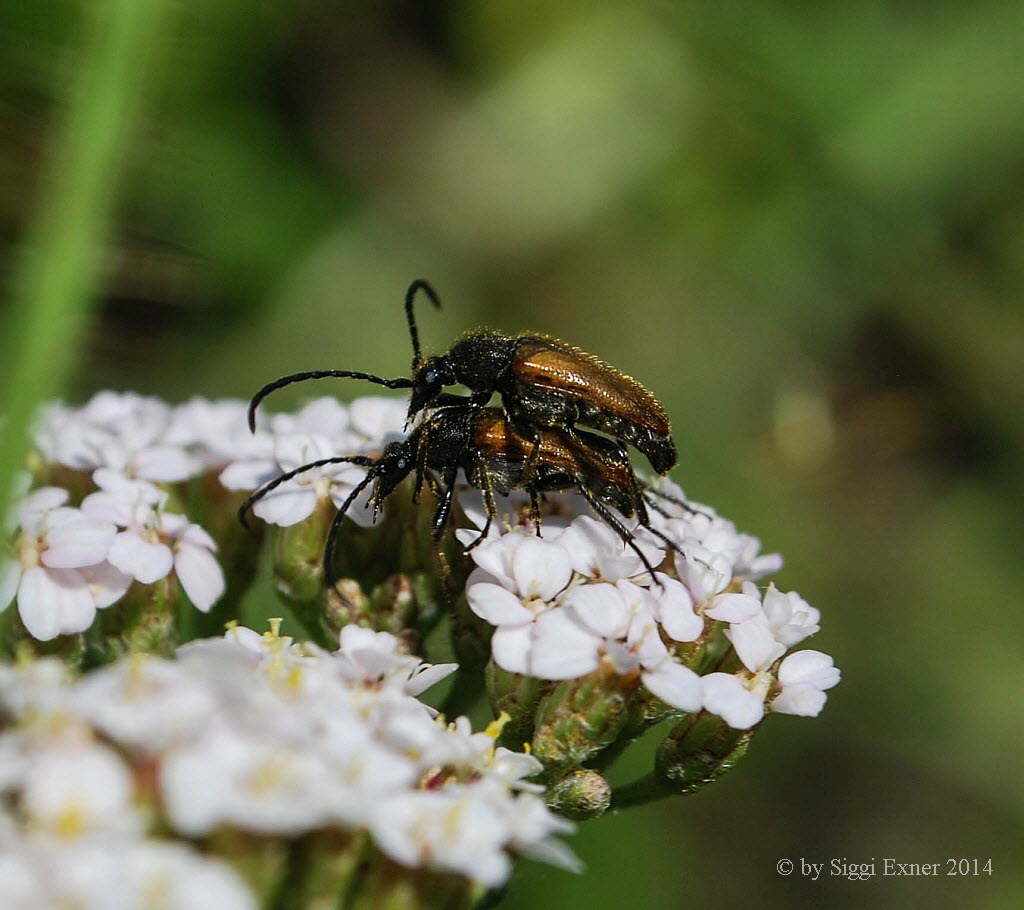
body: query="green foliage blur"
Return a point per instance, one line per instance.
(800, 224)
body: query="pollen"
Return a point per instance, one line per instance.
(71, 822)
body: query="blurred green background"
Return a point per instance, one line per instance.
(800, 224)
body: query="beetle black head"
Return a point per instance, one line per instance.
(433, 375)
(396, 462)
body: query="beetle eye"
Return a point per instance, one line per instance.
(431, 376)
(401, 464)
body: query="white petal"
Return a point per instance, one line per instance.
(248, 474)
(164, 464)
(803, 700)
(726, 696)
(763, 566)
(734, 607)
(54, 602)
(297, 449)
(147, 562)
(792, 619)
(107, 585)
(360, 511)
(325, 415)
(754, 643)
(597, 551)
(91, 780)
(675, 610)
(83, 542)
(104, 506)
(375, 416)
(496, 605)
(810, 667)
(428, 676)
(200, 575)
(540, 568)
(289, 504)
(675, 685)
(495, 556)
(510, 647)
(131, 492)
(37, 504)
(199, 537)
(9, 581)
(562, 649)
(704, 573)
(599, 608)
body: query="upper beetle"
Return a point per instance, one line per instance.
(544, 383)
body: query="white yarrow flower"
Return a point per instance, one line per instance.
(59, 571)
(804, 678)
(119, 431)
(154, 542)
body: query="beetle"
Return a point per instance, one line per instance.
(544, 384)
(496, 458)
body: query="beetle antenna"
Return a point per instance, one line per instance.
(243, 510)
(399, 383)
(332, 534)
(418, 285)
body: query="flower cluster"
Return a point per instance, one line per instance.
(114, 474)
(579, 598)
(583, 633)
(66, 563)
(254, 734)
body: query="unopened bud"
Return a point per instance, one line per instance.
(581, 795)
(580, 717)
(141, 621)
(699, 750)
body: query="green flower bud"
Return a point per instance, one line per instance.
(143, 621)
(580, 718)
(699, 750)
(581, 795)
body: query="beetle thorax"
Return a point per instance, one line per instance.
(479, 359)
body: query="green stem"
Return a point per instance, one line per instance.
(61, 263)
(292, 892)
(647, 789)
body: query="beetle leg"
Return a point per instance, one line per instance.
(490, 507)
(441, 516)
(421, 463)
(650, 492)
(535, 510)
(531, 459)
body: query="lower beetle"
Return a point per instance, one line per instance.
(496, 458)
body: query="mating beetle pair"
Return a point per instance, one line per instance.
(496, 459)
(548, 389)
